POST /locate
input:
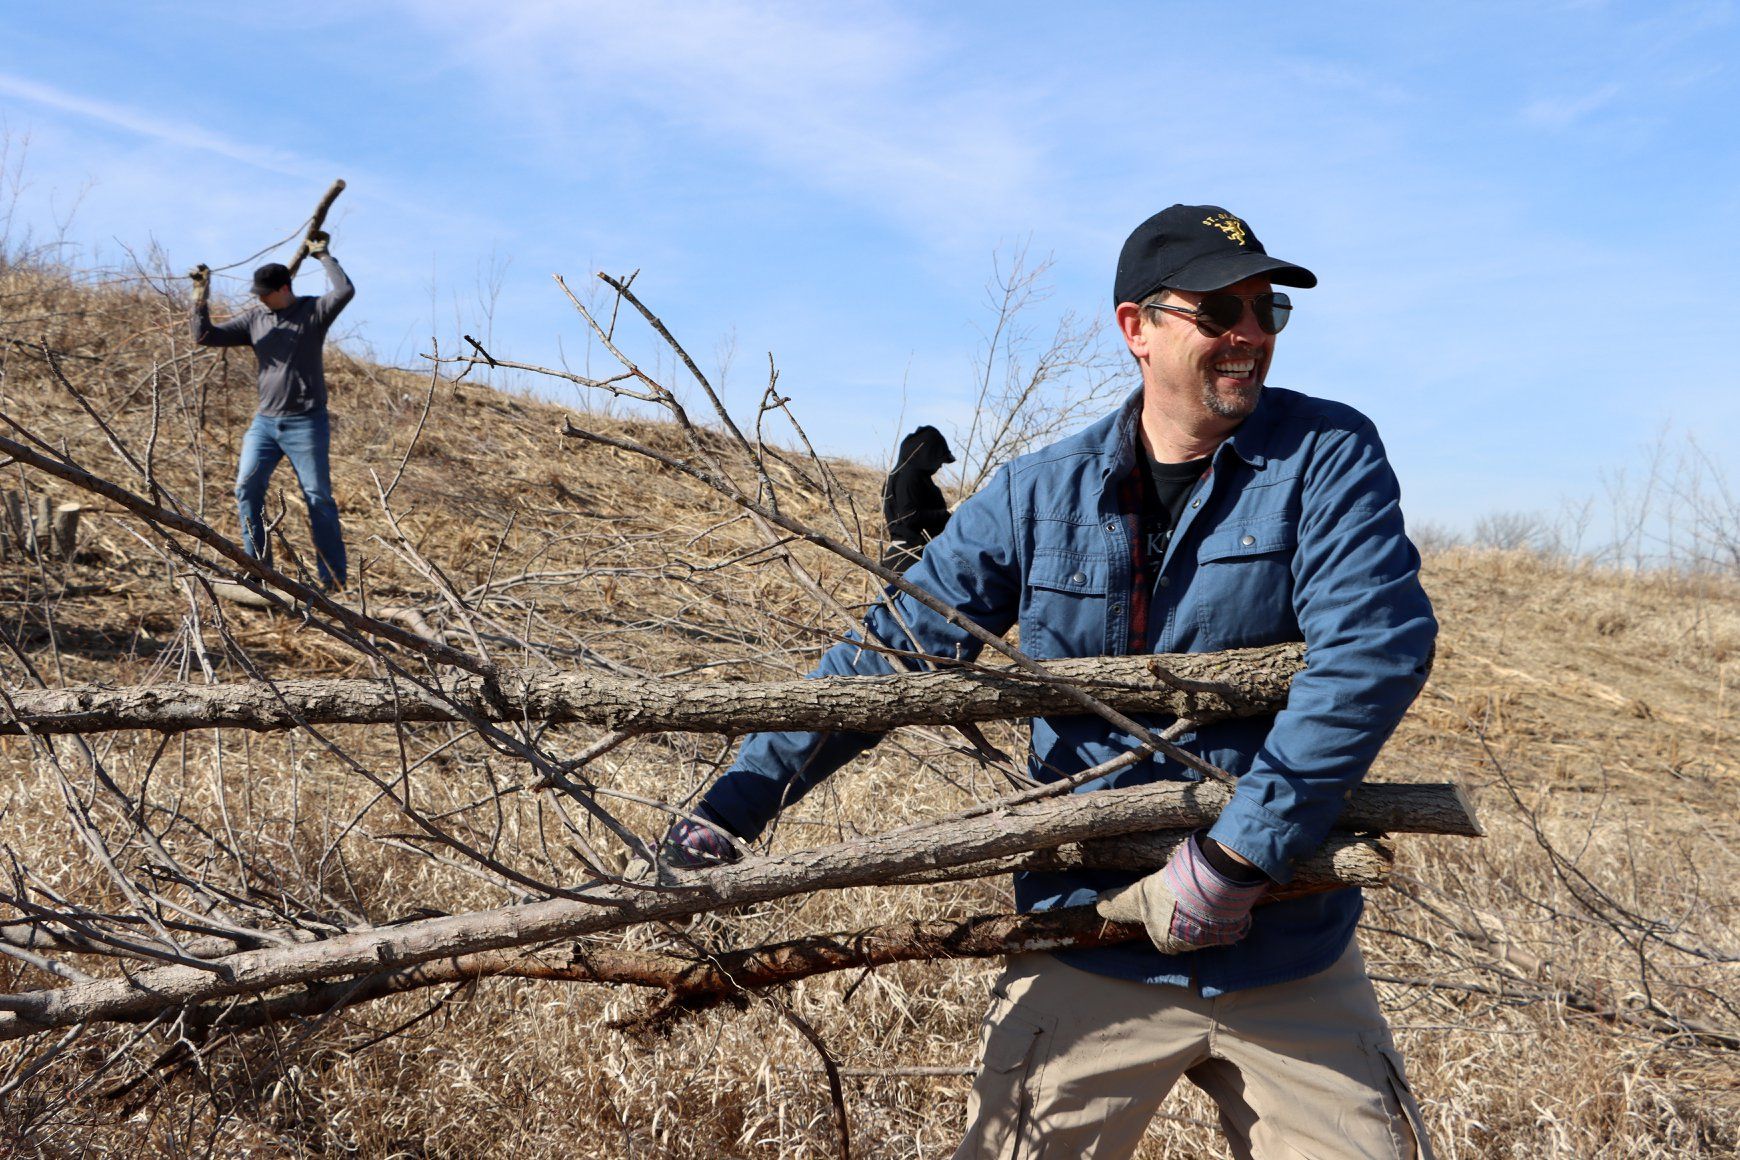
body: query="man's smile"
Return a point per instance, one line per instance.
(1241, 367)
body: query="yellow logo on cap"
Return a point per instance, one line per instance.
(1227, 224)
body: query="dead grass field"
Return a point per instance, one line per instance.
(1546, 983)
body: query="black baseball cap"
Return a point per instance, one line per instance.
(272, 276)
(1197, 247)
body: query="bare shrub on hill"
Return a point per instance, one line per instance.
(1028, 392)
(1564, 987)
(1676, 511)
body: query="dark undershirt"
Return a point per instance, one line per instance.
(1171, 485)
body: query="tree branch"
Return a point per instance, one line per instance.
(1202, 687)
(883, 858)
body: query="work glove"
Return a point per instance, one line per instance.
(1187, 904)
(691, 844)
(200, 276)
(315, 245)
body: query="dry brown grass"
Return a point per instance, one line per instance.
(1590, 712)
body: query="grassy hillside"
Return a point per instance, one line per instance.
(1564, 987)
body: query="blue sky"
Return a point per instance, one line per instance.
(1521, 215)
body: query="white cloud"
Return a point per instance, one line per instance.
(168, 132)
(869, 107)
(1564, 111)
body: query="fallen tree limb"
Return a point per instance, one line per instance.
(1344, 860)
(952, 842)
(691, 984)
(1200, 686)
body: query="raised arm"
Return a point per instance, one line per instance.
(339, 288)
(231, 333)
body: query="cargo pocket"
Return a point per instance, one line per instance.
(1407, 1123)
(1405, 1097)
(1003, 1093)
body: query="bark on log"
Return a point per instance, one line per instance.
(1343, 860)
(954, 841)
(1346, 859)
(1202, 686)
(691, 984)
(315, 222)
(235, 594)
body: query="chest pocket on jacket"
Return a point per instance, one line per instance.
(1066, 606)
(1243, 588)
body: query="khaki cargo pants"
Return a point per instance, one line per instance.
(1076, 1064)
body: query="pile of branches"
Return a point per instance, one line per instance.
(185, 947)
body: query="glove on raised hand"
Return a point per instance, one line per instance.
(316, 243)
(200, 275)
(1186, 904)
(690, 844)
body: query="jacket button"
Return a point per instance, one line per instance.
(1247, 541)
(1078, 578)
(1117, 610)
(1195, 503)
(1165, 581)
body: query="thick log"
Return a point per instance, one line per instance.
(1343, 860)
(694, 984)
(1202, 686)
(954, 841)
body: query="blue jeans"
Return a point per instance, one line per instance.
(304, 438)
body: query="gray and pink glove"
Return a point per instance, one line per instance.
(691, 844)
(1187, 904)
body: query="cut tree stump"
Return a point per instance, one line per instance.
(64, 533)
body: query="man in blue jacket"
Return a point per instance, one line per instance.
(288, 334)
(1210, 512)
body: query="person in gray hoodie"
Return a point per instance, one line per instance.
(288, 333)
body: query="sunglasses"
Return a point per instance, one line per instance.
(1219, 312)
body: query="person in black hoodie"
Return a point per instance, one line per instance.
(912, 504)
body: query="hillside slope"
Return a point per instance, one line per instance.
(1564, 987)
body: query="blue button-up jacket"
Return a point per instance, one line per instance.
(1295, 533)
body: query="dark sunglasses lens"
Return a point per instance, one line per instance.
(1218, 313)
(1272, 310)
